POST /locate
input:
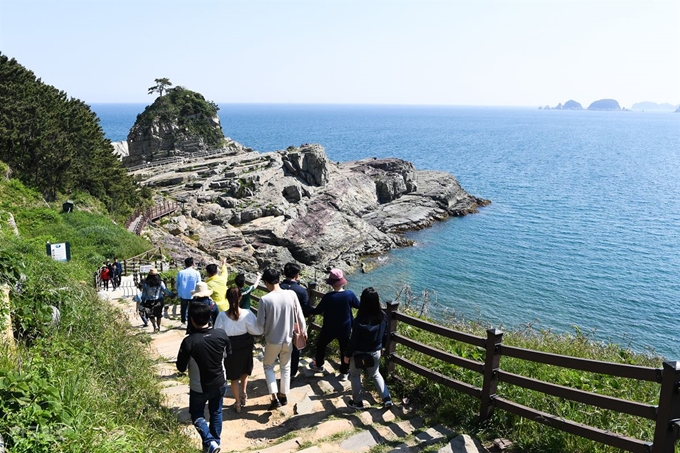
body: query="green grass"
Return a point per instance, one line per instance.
(86, 384)
(460, 411)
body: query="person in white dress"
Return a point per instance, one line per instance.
(240, 325)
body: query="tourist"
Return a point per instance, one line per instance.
(277, 312)
(240, 325)
(105, 276)
(336, 307)
(218, 283)
(153, 301)
(369, 331)
(292, 273)
(138, 306)
(186, 282)
(240, 282)
(201, 293)
(118, 270)
(202, 352)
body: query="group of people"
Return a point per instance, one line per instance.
(221, 333)
(110, 272)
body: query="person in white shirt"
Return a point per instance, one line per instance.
(277, 313)
(240, 325)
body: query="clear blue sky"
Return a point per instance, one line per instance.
(467, 52)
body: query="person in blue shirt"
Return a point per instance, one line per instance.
(186, 282)
(336, 307)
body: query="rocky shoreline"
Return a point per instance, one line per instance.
(264, 209)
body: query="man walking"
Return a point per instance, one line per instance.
(186, 282)
(292, 273)
(277, 312)
(202, 352)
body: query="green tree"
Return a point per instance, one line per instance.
(55, 143)
(161, 86)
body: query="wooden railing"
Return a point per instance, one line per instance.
(144, 216)
(666, 414)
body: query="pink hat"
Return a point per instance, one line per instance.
(336, 278)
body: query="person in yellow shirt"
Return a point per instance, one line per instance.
(218, 283)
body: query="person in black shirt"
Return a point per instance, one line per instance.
(292, 273)
(203, 353)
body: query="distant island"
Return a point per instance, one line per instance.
(646, 105)
(678, 110)
(605, 104)
(569, 105)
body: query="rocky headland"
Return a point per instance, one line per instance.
(261, 209)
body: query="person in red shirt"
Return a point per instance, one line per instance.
(105, 276)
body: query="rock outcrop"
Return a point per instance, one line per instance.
(180, 123)
(261, 209)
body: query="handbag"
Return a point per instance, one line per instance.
(299, 337)
(363, 360)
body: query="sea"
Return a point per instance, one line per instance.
(582, 233)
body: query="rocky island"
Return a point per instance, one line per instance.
(605, 104)
(261, 209)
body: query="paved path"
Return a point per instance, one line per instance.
(316, 419)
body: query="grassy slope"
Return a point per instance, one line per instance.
(85, 385)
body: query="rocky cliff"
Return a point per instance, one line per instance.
(179, 123)
(261, 209)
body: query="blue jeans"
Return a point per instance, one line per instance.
(373, 372)
(197, 402)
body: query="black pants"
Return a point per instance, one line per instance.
(324, 340)
(184, 308)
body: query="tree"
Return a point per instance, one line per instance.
(55, 143)
(161, 86)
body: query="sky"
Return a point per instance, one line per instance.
(446, 52)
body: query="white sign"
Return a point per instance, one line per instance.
(58, 252)
(145, 268)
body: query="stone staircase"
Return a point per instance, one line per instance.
(316, 419)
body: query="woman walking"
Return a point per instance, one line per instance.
(363, 351)
(240, 325)
(153, 292)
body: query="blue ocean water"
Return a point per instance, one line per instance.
(582, 229)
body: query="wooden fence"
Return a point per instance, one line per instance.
(666, 414)
(143, 217)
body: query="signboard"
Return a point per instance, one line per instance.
(145, 268)
(59, 252)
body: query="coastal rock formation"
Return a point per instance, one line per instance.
(178, 124)
(262, 209)
(605, 104)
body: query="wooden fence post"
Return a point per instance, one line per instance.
(391, 346)
(492, 363)
(668, 413)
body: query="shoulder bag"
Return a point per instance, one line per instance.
(299, 337)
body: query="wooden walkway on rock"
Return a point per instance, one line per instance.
(317, 418)
(137, 221)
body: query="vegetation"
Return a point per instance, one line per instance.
(55, 144)
(161, 86)
(83, 384)
(460, 411)
(189, 110)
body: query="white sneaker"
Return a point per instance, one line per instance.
(343, 377)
